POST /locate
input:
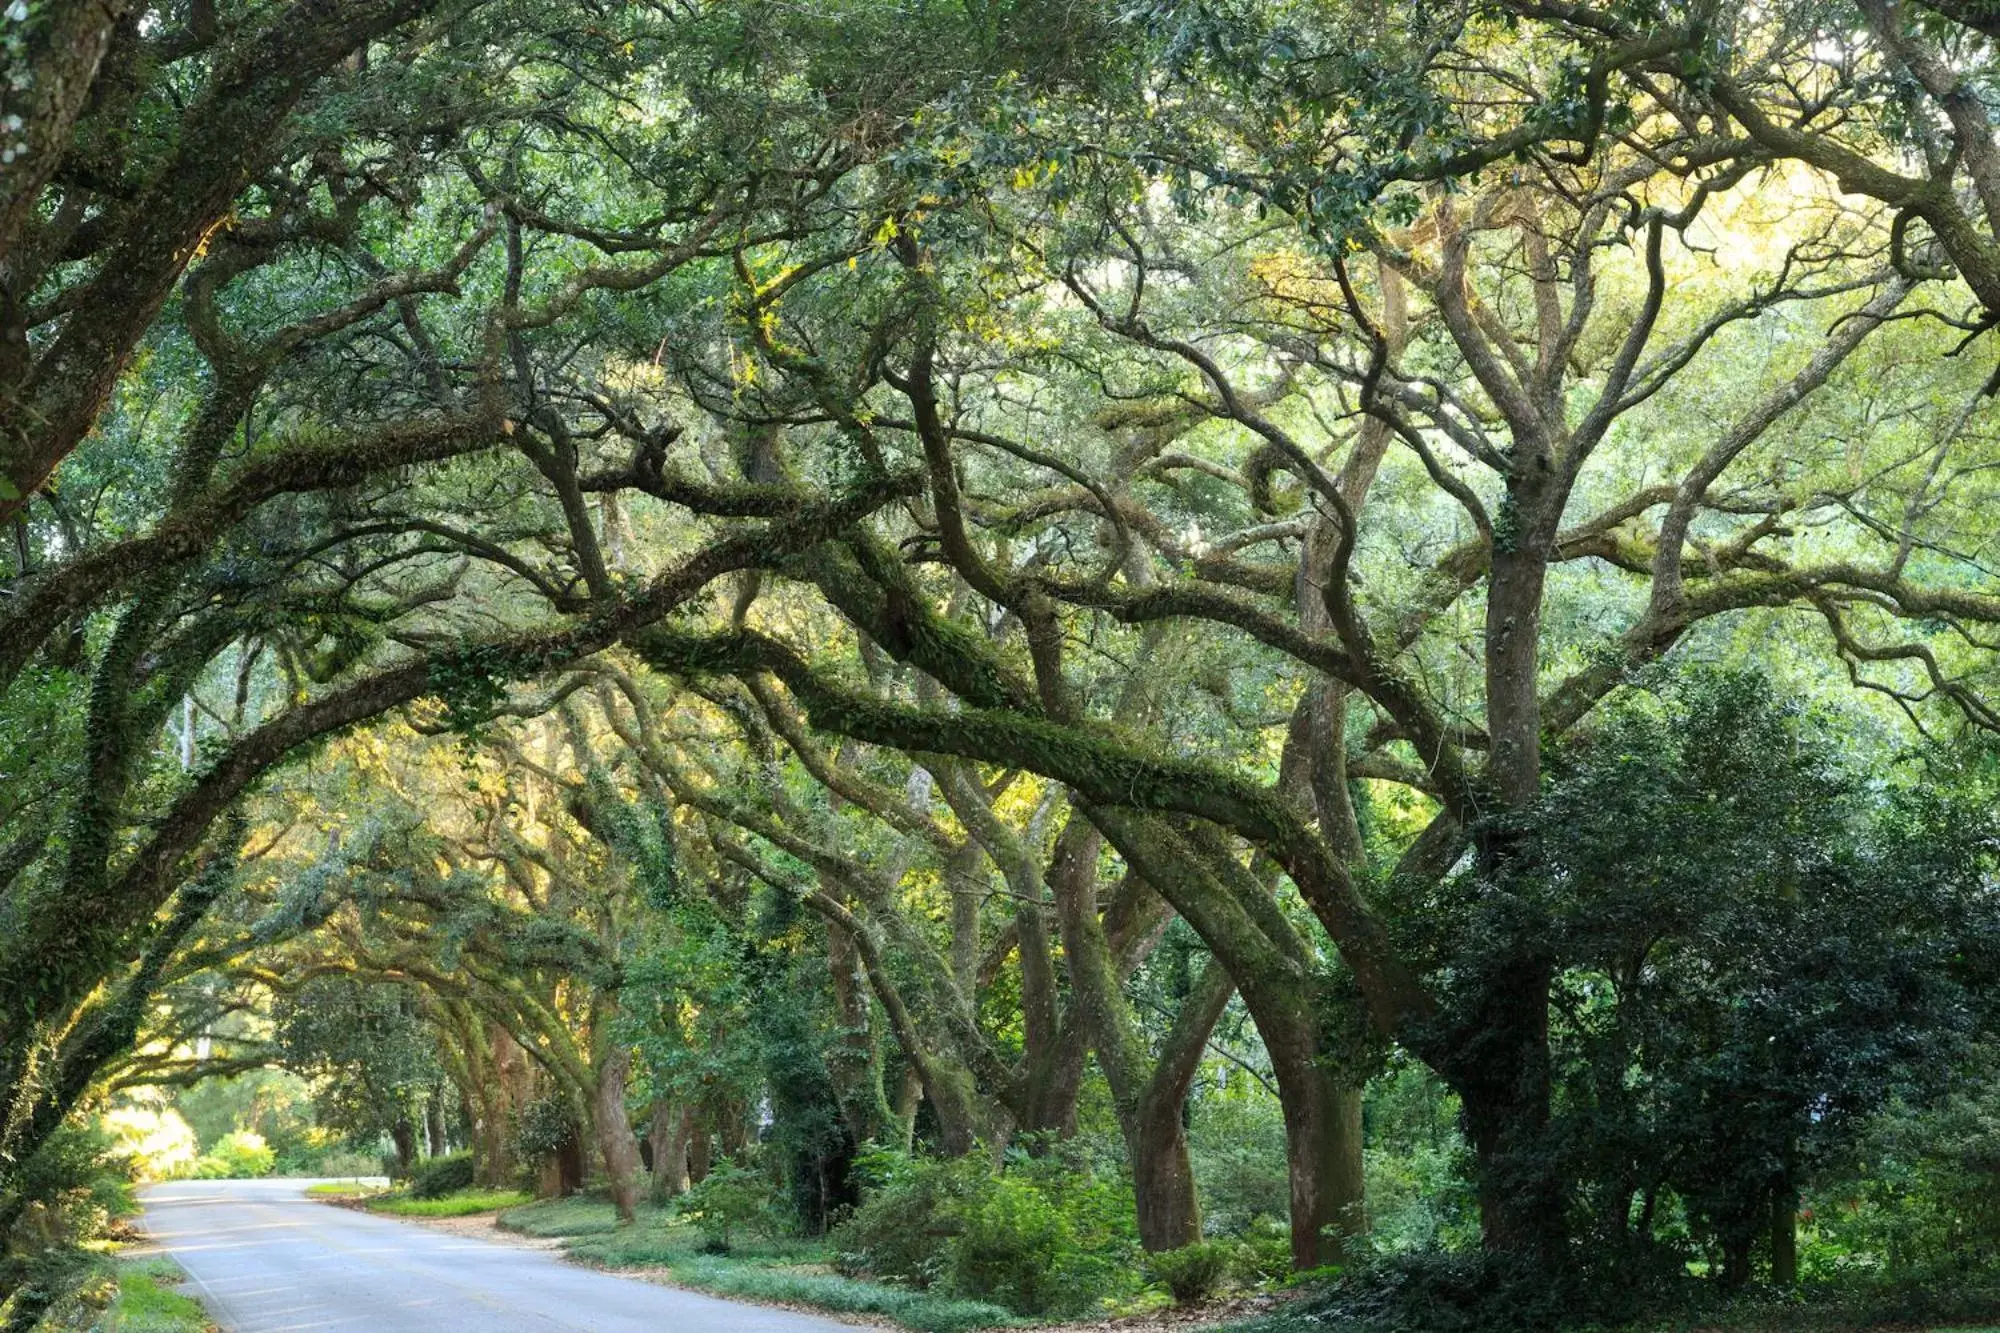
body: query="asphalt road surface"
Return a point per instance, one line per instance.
(262, 1257)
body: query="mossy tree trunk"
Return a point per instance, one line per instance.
(615, 1140)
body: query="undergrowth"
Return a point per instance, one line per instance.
(757, 1268)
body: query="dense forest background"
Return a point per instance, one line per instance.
(1070, 650)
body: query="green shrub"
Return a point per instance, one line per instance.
(907, 1217)
(1193, 1272)
(435, 1177)
(72, 1188)
(346, 1162)
(241, 1155)
(543, 1128)
(1012, 1245)
(1265, 1252)
(729, 1199)
(1237, 1143)
(1047, 1236)
(1044, 1240)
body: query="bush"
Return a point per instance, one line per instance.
(73, 1187)
(903, 1227)
(1237, 1143)
(1265, 1253)
(1048, 1236)
(239, 1156)
(544, 1127)
(730, 1198)
(1193, 1272)
(435, 1177)
(1433, 1291)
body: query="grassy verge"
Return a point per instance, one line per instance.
(790, 1272)
(342, 1189)
(462, 1204)
(149, 1300)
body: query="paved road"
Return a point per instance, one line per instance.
(265, 1258)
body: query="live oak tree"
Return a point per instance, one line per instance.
(990, 481)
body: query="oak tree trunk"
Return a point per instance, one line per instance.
(615, 1139)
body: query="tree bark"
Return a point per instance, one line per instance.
(404, 1135)
(699, 1149)
(1148, 1101)
(615, 1139)
(856, 1066)
(1785, 1237)
(434, 1136)
(1163, 1177)
(1500, 1070)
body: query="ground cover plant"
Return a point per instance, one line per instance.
(757, 1267)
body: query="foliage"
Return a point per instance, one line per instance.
(241, 1155)
(342, 1189)
(1912, 1200)
(907, 1213)
(1193, 1273)
(758, 1269)
(1043, 1237)
(160, 1144)
(373, 1061)
(72, 1192)
(1237, 1143)
(811, 575)
(435, 1177)
(546, 1126)
(78, 1183)
(729, 1200)
(1771, 959)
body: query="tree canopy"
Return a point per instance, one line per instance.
(899, 575)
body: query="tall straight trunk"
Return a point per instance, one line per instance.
(1038, 987)
(699, 1150)
(1500, 1061)
(510, 1085)
(1056, 1082)
(568, 1166)
(1513, 660)
(732, 1128)
(615, 1140)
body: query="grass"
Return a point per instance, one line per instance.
(148, 1302)
(341, 1189)
(462, 1204)
(757, 1268)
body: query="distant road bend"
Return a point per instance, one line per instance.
(263, 1258)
